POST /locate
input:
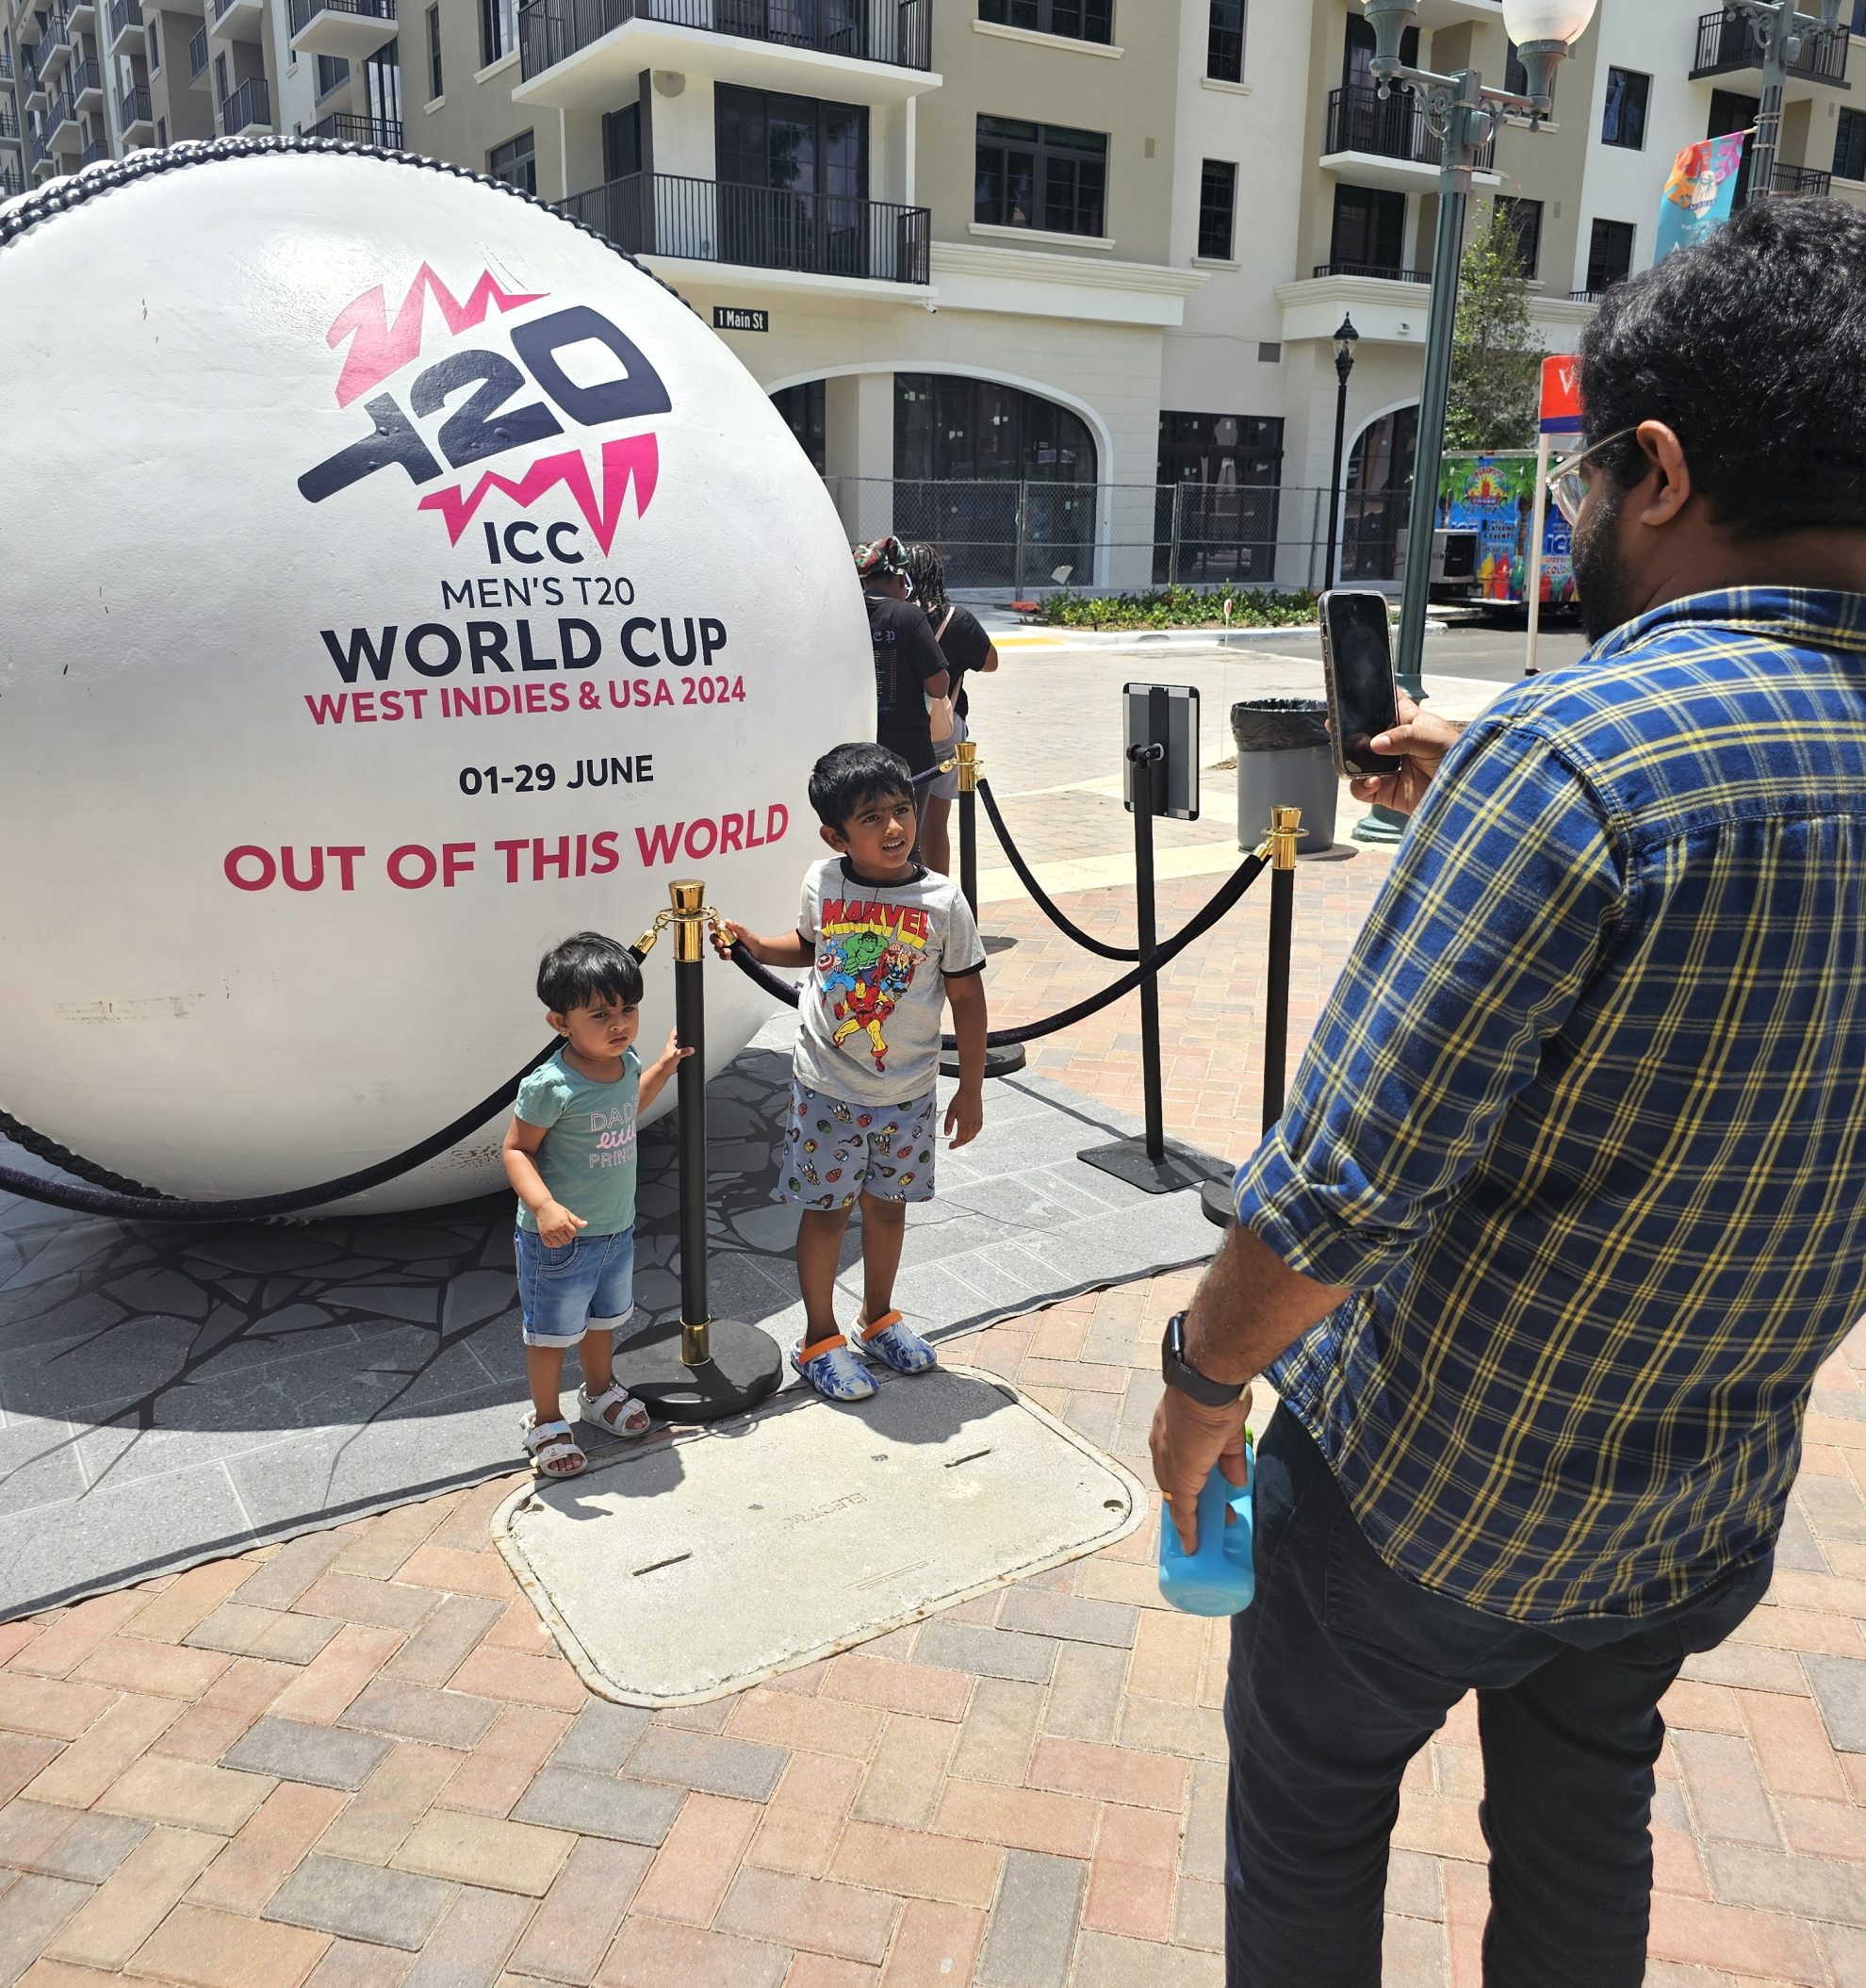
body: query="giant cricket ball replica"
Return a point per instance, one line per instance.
(394, 579)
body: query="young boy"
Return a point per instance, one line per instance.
(890, 945)
(570, 1156)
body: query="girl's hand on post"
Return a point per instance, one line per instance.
(673, 1056)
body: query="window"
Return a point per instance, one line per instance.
(790, 145)
(435, 87)
(1525, 216)
(1515, 78)
(1369, 237)
(803, 409)
(1218, 202)
(154, 23)
(1609, 255)
(1216, 515)
(1080, 19)
(1224, 42)
(222, 87)
(1850, 146)
(1041, 176)
(499, 29)
(1623, 124)
(515, 162)
(1269, 351)
(333, 74)
(622, 142)
(382, 78)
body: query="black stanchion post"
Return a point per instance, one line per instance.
(1000, 1059)
(1285, 830)
(710, 1368)
(1153, 1166)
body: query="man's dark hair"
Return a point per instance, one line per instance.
(842, 780)
(1751, 347)
(574, 972)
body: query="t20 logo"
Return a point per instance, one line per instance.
(486, 423)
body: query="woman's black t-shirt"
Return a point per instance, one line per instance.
(965, 645)
(906, 655)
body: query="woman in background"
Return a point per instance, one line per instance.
(966, 647)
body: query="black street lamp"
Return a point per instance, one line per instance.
(1345, 341)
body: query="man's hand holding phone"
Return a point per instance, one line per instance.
(1421, 740)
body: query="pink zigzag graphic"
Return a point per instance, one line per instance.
(381, 348)
(637, 455)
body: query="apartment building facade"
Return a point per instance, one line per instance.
(1054, 282)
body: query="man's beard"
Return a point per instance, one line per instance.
(1600, 574)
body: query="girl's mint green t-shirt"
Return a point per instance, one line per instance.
(588, 1158)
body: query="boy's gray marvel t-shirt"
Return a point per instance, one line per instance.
(588, 1158)
(871, 1012)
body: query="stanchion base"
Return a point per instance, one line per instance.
(1128, 1159)
(1216, 1197)
(1005, 1062)
(745, 1368)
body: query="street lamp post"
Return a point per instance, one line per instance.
(1465, 116)
(1781, 32)
(1345, 341)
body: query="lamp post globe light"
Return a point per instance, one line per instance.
(1464, 115)
(1345, 341)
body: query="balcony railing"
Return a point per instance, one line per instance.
(303, 11)
(57, 35)
(5, 67)
(897, 32)
(95, 150)
(1381, 271)
(197, 54)
(83, 77)
(124, 15)
(133, 105)
(250, 105)
(1727, 40)
(760, 227)
(10, 184)
(63, 111)
(350, 129)
(10, 125)
(1793, 183)
(1359, 121)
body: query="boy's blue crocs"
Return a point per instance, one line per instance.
(832, 1369)
(891, 1342)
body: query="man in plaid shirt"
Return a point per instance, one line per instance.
(1569, 1202)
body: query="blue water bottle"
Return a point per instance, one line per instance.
(1220, 1578)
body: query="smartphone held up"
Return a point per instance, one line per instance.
(1362, 691)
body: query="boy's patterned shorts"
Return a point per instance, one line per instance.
(834, 1151)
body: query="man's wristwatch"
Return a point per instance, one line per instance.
(1177, 1372)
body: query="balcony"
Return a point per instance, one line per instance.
(346, 128)
(61, 123)
(1372, 271)
(9, 125)
(12, 184)
(353, 30)
(1791, 183)
(35, 76)
(577, 55)
(1386, 144)
(1727, 44)
(126, 18)
(85, 84)
(197, 57)
(249, 109)
(82, 14)
(237, 19)
(133, 110)
(40, 165)
(55, 45)
(5, 67)
(811, 236)
(95, 148)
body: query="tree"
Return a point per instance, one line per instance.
(1496, 356)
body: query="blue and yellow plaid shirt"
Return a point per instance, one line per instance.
(1583, 1125)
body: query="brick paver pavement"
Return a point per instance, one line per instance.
(357, 1761)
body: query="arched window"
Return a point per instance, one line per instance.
(1379, 493)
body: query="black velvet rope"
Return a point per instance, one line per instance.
(1026, 877)
(1235, 885)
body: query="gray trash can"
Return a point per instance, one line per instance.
(1285, 761)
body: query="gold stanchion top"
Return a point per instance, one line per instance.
(969, 768)
(687, 897)
(1278, 847)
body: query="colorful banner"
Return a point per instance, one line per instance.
(1700, 196)
(1561, 396)
(1494, 495)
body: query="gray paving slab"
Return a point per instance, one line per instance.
(601, 1805)
(293, 1751)
(361, 1902)
(168, 1397)
(1033, 1926)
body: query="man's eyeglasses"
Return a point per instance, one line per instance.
(1568, 485)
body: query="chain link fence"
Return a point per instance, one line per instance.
(1022, 538)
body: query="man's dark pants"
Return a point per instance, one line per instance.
(1341, 1670)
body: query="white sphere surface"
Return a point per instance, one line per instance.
(394, 580)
